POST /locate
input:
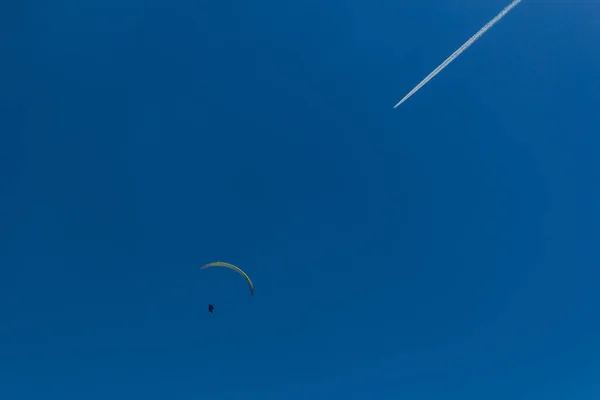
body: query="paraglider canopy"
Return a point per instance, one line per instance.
(233, 267)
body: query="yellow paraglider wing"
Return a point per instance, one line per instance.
(233, 267)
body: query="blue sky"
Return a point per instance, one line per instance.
(447, 249)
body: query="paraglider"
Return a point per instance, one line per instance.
(233, 267)
(229, 266)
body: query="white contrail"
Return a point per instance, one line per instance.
(458, 52)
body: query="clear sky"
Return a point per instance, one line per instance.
(446, 249)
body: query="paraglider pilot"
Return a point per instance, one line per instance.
(210, 308)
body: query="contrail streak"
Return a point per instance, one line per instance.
(458, 52)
